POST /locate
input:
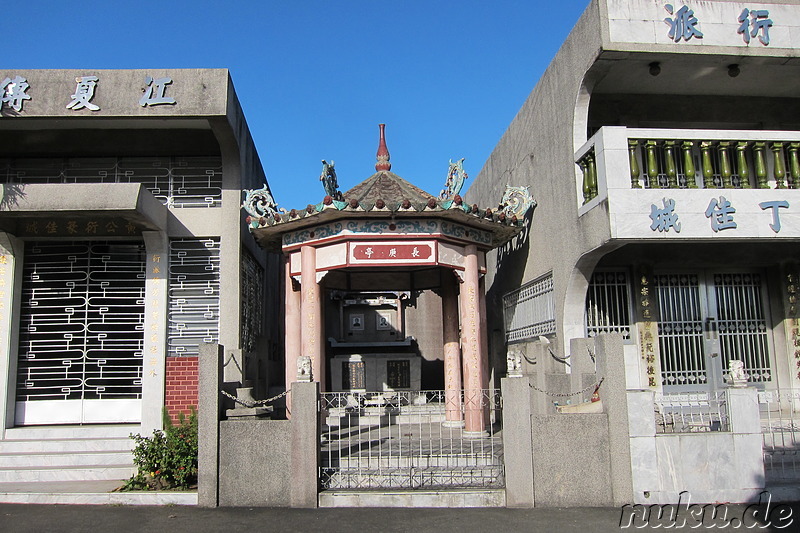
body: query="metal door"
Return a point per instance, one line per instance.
(81, 333)
(706, 319)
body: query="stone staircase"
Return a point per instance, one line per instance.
(52, 454)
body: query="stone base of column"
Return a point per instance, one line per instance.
(453, 424)
(475, 434)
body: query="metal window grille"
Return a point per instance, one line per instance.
(607, 304)
(530, 310)
(252, 307)
(780, 431)
(680, 329)
(176, 181)
(692, 412)
(742, 324)
(193, 295)
(80, 321)
(396, 440)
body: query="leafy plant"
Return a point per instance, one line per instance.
(168, 459)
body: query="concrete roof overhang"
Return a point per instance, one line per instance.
(102, 203)
(697, 73)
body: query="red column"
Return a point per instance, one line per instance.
(292, 344)
(311, 313)
(472, 349)
(452, 352)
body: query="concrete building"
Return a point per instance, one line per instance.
(120, 212)
(661, 145)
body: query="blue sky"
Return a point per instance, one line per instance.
(316, 78)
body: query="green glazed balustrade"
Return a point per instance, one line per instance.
(589, 169)
(727, 164)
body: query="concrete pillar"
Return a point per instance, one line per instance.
(452, 352)
(155, 330)
(311, 313)
(12, 252)
(293, 342)
(472, 349)
(611, 368)
(517, 442)
(305, 445)
(209, 412)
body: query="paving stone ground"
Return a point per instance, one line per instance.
(177, 519)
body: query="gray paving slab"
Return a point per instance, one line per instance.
(122, 519)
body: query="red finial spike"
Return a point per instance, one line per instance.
(383, 152)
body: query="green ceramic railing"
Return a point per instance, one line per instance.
(728, 164)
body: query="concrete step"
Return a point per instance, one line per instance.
(99, 492)
(72, 432)
(416, 498)
(66, 445)
(67, 453)
(66, 473)
(65, 459)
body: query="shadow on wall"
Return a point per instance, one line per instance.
(511, 260)
(10, 195)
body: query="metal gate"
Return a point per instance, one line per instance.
(81, 333)
(400, 440)
(705, 321)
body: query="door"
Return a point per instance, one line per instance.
(707, 319)
(81, 333)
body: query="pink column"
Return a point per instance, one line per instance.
(472, 349)
(292, 343)
(311, 313)
(452, 352)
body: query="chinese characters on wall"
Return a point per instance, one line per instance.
(155, 343)
(720, 213)
(15, 93)
(751, 23)
(648, 330)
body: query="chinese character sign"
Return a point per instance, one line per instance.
(755, 23)
(720, 213)
(14, 92)
(84, 93)
(154, 92)
(683, 26)
(664, 218)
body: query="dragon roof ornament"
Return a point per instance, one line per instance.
(516, 202)
(456, 176)
(260, 204)
(329, 181)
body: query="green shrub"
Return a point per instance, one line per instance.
(168, 459)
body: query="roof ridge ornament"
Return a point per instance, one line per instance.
(261, 206)
(329, 181)
(516, 202)
(455, 180)
(383, 152)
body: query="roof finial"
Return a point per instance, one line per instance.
(383, 152)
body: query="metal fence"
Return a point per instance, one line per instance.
(692, 412)
(780, 431)
(401, 440)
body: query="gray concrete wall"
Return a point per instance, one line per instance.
(255, 463)
(576, 459)
(209, 413)
(571, 461)
(537, 150)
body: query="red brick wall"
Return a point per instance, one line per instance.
(181, 382)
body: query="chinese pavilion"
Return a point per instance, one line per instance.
(364, 270)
